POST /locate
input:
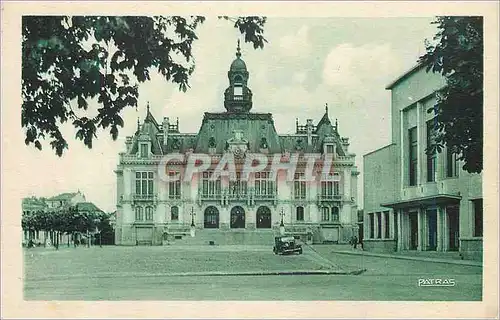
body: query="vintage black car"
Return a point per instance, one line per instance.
(286, 245)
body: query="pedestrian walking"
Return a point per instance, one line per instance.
(355, 242)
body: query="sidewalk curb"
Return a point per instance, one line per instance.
(209, 274)
(393, 256)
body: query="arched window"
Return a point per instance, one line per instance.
(237, 217)
(174, 213)
(300, 214)
(263, 217)
(211, 218)
(138, 214)
(149, 213)
(335, 213)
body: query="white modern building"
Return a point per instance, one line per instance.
(414, 200)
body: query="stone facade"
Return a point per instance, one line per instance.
(233, 210)
(416, 201)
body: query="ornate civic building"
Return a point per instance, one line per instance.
(234, 210)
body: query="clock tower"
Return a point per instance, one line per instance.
(238, 97)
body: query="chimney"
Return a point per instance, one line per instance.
(165, 126)
(128, 143)
(309, 128)
(345, 145)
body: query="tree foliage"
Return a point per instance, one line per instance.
(68, 220)
(458, 55)
(69, 60)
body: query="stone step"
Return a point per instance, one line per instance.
(218, 237)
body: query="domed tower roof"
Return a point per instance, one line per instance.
(238, 97)
(238, 64)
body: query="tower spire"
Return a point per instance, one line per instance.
(238, 50)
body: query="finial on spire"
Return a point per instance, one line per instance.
(138, 124)
(238, 50)
(326, 108)
(336, 124)
(148, 106)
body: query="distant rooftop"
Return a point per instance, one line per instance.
(64, 196)
(87, 206)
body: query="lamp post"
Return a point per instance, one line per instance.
(192, 231)
(282, 225)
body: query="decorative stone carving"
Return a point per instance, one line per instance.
(237, 144)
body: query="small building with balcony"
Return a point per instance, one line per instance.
(235, 209)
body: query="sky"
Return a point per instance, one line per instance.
(345, 62)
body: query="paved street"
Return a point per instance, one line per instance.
(145, 273)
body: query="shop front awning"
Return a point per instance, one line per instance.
(438, 199)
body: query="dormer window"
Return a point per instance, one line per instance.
(144, 150)
(329, 148)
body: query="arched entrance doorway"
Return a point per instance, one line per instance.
(237, 217)
(211, 218)
(263, 217)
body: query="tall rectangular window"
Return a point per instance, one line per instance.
(372, 225)
(174, 213)
(329, 148)
(149, 213)
(144, 183)
(326, 189)
(238, 187)
(386, 223)
(138, 214)
(431, 154)
(299, 186)
(451, 163)
(379, 225)
(210, 187)
(335, 214)
(174, 186)
(144, 152)
(396, 225)
(325, 214)
(413, 156)
(478, 217)
(264, 186)
(300, 214)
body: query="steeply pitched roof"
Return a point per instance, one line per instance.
(257, 129)
(149, 129)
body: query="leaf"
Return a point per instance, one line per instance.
(82, 103)
(124, 50)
